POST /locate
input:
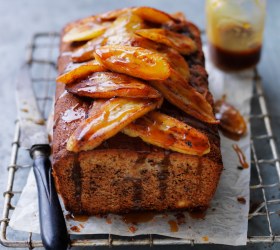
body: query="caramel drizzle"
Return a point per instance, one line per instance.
(241, 156)
(173, 226)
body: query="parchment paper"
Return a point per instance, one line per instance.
(226, 220)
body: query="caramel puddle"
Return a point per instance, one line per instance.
(232, 123)
(173, 226)
(79, 218)
(141, 217)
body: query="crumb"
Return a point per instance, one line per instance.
(109, 220)
(205, 238)
(241, 200)
(133, 229)
(75, 229)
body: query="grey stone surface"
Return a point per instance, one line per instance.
(19, 19)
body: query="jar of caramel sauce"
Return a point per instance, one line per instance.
(235, 32)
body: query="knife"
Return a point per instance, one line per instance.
(33, 134)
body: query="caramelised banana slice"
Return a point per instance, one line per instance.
(85, 52)
(153, 15)
(178, 92)
(176, 61)
(110, 84)
(125, 23)
(110, 117)
(84, 32)
(181, 43)
(134, 61)
(120, 32)
(231, 121)
(76, 71)
(113, 14)
(169, 133)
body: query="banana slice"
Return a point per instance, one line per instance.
(120, 32)
(153, 15)
(110, 84)
(76, 71)
(178, 92)
(85, 52)
(111, 15)
(169, 133)
(176, 61)
(125, 23)
(110, 117)
(181, 43)
(134, 61)
(84, 32)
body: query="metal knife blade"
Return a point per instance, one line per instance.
(32, 124)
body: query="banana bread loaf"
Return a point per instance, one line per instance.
(124, 173)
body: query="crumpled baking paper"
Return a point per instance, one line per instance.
(226, 220)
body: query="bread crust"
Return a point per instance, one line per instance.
(125, 174)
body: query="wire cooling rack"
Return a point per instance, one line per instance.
(265, 165)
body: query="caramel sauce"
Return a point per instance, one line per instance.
(164, 132)
(234, 60)
(108, 220)
(50, 138)
(75, 229)
(79, 218)
(40, 122)
(138, 217)
(241, 200)
(232, 123)
(200, 215)
(152, 131)
(205, 238)
(241, 156)
(173, 226)
(133, 229)
(231, 136)
(112, 113)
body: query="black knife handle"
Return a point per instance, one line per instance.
(52, 224)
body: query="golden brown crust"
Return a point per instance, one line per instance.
(126, 174)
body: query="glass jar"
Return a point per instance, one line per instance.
(235, 31)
